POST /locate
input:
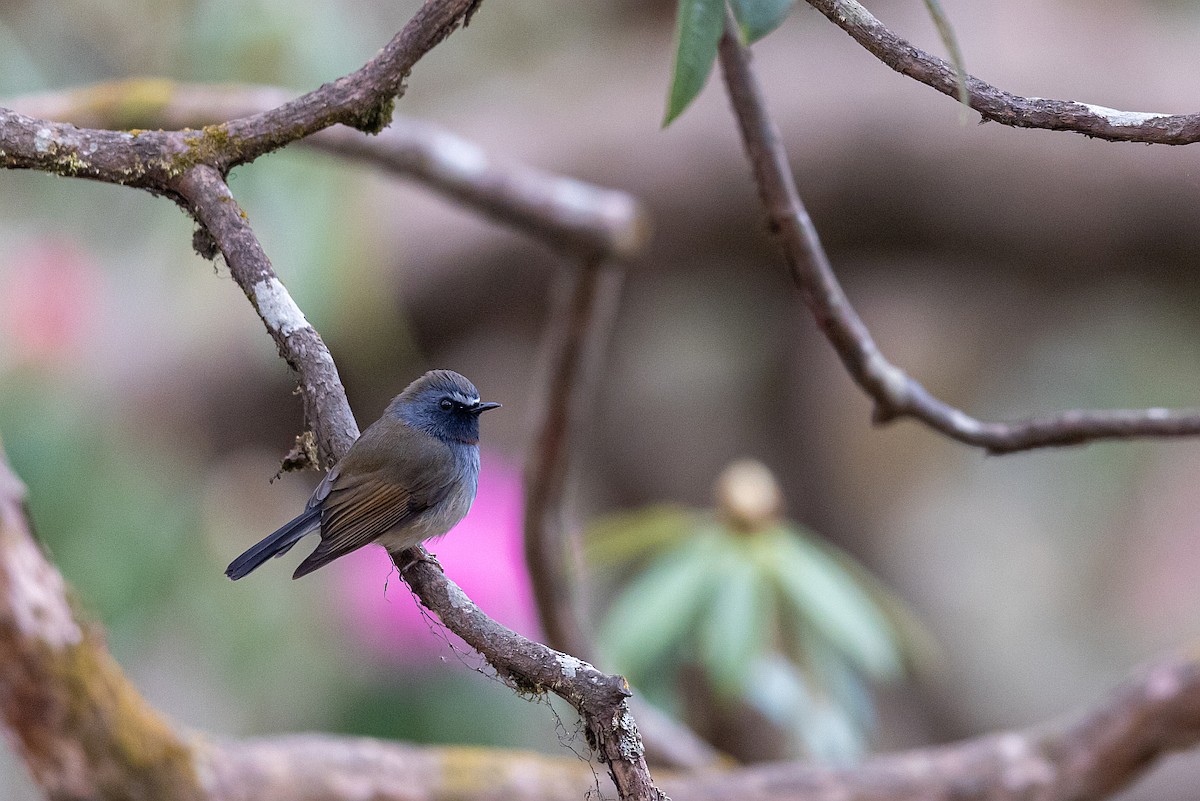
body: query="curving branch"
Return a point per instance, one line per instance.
(895, 394)
(1001, 106)
(81, 728)
(578, 218)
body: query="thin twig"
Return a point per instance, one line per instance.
(580, 219)
(1001, 106)
(894, 393)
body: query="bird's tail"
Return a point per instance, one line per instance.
(276, 544)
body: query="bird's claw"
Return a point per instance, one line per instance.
(423, 556)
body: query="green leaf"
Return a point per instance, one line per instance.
(736, 631)
(946, 33)
(824, 593)
(757, 18)
(628, 536)
(698, 26)
(659, 607)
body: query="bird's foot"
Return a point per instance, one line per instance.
(423, 556)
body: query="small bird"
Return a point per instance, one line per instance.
(412, 475)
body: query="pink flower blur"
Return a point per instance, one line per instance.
(483, 555)
(48, 299)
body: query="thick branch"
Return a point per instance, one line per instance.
(81, 728)
(895, 394)
(1005, 107)
(155, 159)
(581, 219)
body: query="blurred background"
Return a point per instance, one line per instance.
(1014, 272)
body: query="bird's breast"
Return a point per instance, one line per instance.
(444, 515)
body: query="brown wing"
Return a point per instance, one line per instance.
(374, 491)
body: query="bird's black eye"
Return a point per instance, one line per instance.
(446, 404)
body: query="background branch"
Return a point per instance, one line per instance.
(1005, 107)
(894, 393)
(578, 324)
(575, 217)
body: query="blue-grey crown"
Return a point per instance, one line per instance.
(420, 406)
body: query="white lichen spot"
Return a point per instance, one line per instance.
(856, 13)
(277, 308)
(1163, 684)
(965, 423)
(575, 198)
(570, 665)
(1158, 413)
(457, 159)
(1025, 768)
(1117, 117)
(458, 599)
(895, 380)
(37, 597)
(43, 140)
(630, 741)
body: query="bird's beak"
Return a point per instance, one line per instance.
(480, 408)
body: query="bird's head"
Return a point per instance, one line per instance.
(444, 404)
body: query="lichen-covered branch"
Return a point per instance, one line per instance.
(894, 393)
(81, 728)
(155, 159)
(1004, 107)
(578, 218)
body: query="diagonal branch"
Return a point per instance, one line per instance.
(894, 393)
(528, 666)
(1001, 106)
(575, 217)
(326, 409)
